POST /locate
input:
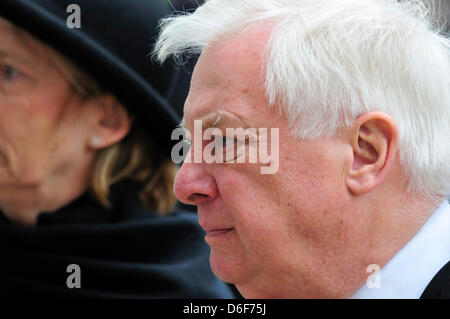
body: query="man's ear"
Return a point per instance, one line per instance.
(111, 122)
(374, 140)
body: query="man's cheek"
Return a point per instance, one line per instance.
(258, 232)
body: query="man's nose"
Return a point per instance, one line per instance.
(194, 185)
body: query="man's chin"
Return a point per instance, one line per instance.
(228, 267)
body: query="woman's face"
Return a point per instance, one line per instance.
(45, 130)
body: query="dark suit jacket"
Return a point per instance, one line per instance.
(439, 287)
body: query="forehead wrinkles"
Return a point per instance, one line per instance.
(20, 41)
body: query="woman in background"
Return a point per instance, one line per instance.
(86, 202)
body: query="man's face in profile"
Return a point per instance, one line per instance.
(273, 235)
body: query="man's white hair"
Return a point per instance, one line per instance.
(328, 62)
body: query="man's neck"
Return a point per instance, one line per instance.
(410, 270)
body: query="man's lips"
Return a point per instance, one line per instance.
(214, 228)
(218, 231)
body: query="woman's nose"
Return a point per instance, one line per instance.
(194, 185)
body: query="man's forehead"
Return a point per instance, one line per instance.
(246, 47)
(231, 69)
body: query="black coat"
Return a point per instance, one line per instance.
(124, 252)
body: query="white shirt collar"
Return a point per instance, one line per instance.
(409, 272)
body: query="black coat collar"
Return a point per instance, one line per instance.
(123, 252)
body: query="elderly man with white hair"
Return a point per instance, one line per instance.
(359, 90)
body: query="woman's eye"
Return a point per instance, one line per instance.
(10, 73)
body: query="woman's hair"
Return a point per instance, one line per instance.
(328, 62)
(132, 158)
(135, 157)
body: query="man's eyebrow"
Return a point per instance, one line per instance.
(221, 120)
(218, 120)
(212, 121)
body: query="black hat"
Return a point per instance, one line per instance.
(113, 45)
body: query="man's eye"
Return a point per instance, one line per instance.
(228, 141)
(187, 141)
